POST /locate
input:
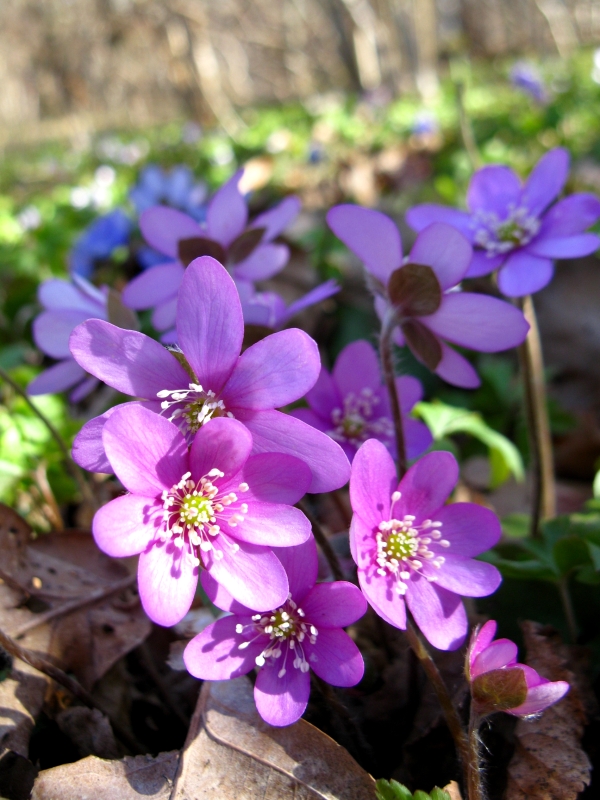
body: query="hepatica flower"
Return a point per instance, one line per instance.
(176, 188)
(514, 227)
(499, 683)
(98, 241)
(248, 252)
(285, 642)
(66, 304)
(413, 550)
(208, 378)
(215, 506)
(270, 310)
(350, 405)
(423, 292)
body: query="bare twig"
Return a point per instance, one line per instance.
(323, 542)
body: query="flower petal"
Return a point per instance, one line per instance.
(262, 263)
(445, 250)
(421, 216)
(546, 180)
(410, 391)
(163, 227)
(493, 188)
(371, 235)
(316, 295)
(167, 580)
(524, 273)
(220, 597)
(153, 286)
(324, 397)
(126, 525)
(372, 482)
(301, 565)
(465, 576)
(56, 294)
(439, 613)
(252, 575)
(273, 372)
(164, 316)
(570, 216)
(478, 321)
(276, 478)
(417, 438)
(276, 219)
(333, 605)
(57, 378)
(271, 525)
(281, 701)
(274, 432)
(128, 361)
(426, 486)
(471, 529)
(480, 639)
(214, 654)
(540, 697)
(483, 264)
(565, 247)
(380, 593)
(210, 325)
(357, 368)
(335, 658)
(496, 655)
(227, 212)
(51, 331)
(147, 452)
(83, 389)
(223, 444)
(308, 416)
(455, 369)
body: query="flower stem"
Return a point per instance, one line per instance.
(323, 542)
(450, 714)
(75, 471)
(474, 784)
(387, 366)
(569, 611)
(538, 425)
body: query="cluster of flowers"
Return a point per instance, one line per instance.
(213, 471)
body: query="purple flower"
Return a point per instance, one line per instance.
(175, 188)
(98, 241)
(302, 633)
(270, 310)
(412, 549)
(208, 378)
(248, 251)
(512, 226)
(215, 505)
(66, 304)
(526, 77)
(494, 674)
(476, 321)
(351, 405)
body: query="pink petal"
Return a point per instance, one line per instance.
(129, 361)
(210, 325)
(357, 368)
(276, 219)
(570, 216)
(227, 212)
(333, 605)
(214, 654)
(273, 372)
(274, 432)
(524, 273)
(499, 654)
(445, 250)
(465, 576)
(223, 444)
(410, 391)
(262, 263)
(153, 286)
(56, 294)
(276, 478)
(371, 235)
(84, 389)
(381, 594)
(372, 482)
(471, 529)
(57, 378)
(480, 639)
(167, 580)
(164, 316)
(220, 597)
(483, 264)
(565, 247)
(163, 227)
(455, 369)
(51, 331)
(335, 658)
(88, 450)
(308, 416)
(281, 701)
(493, 188)
(546, 180)
(301, 565)
(271, 525)
(125, 526)
(426, 486)
(147, 452)
(421, 216)
(540, 697)
(417, 438)
(439, 614)
(323, 397)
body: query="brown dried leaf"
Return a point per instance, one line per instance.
(549, 762)
(230, 752)
(424, 344)
(90, 732)
(197, 246)
(415, 290)
(95, 779)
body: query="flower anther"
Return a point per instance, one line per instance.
(354, 423)
(498, 236)
(193, 406)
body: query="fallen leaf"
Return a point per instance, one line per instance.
(90, 732)
(549, 762)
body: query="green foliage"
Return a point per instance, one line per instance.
(392, 790)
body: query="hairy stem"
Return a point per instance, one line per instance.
(75, 471)
(387, 366)
(450, 713)
(474, 783)
(323, 542)
(538, 425)
(42, 664)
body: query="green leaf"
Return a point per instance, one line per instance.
(594, 552)
(596, 485)
(444, 420)
(391, 790)
(516, 526)
(571, 552)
